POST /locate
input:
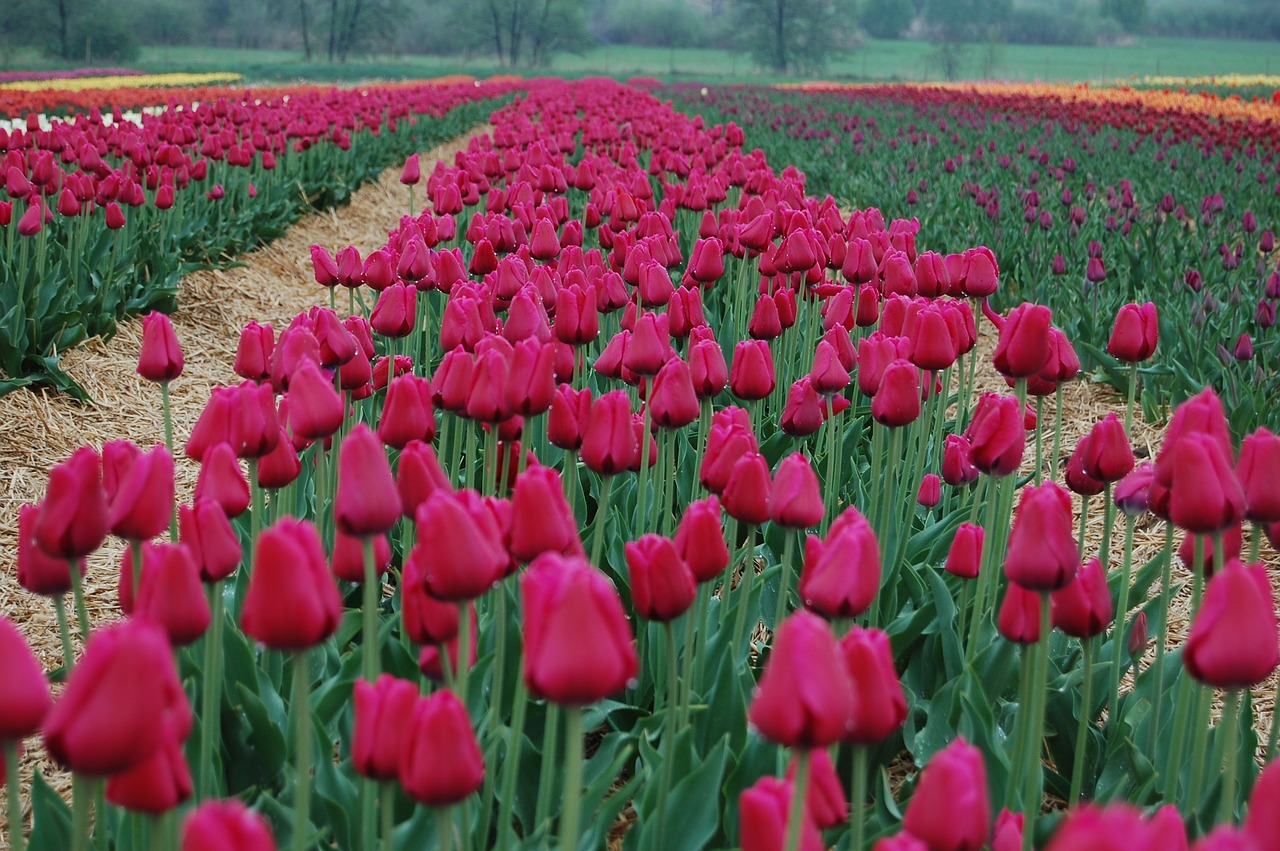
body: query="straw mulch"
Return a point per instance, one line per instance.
(42, 429)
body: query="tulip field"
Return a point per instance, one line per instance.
(767, 469)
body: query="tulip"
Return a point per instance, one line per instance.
(805, 410)
(805, 699)
(949, 809)
(981, 275)
(348, 556)
(1078, 480)
(828, 373)
(578, 644)
(221, 481)
(996, 435)
(700, 540)
(315, 408)
(1200, 491)
(706, 263)
(281, 465)
(223, 825)
(1042, 554)
(168, 591)
(649, 346)
(461, 542)
(73, 519)
(160, 358)
(765, 324)
(896, 402)
(957, 461)
(752, 376)
(1135, 333)
(764, 813)
(841, 575)
(407, 413)
(568, 418)
(25, 700)
(1019, 616)
(1082, 608)
(1263, 817)
(143, 502)
(824, 799)
(746, 491)
(531, 380)
(1233, 641)
(440, 763)
(1023, 346)
(394, 313)
(965, 556)
(707, 368)
(880, 707)
(541, 520)
(367, 503)
(384, 713)
(609, 444)
(117, 702)
(203, 528)
(1108, 456)
(662, 585)
(156, 785)
(412, 172)
(1007, 835)
(795, 500)
(899, 842)
(673, 402)
(1115, 827)
(930, 492)
(292, 602)
(1258, 470)
(37, 572)
(577, 320)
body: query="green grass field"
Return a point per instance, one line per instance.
(876, 60)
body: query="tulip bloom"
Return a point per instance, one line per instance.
(207, 534)
(841, 575)
(578, 644)
(1023, 346)
(123, 692)
(407, 413)
(160, 358)
(169, 592)
(221, 481)
(805, 698)
(1233, 642)
(795, 500)
(156, 785)
(440, 761)
(143, 503)
(25, 700)
(752, 376)
(746, 492)
(541, 520)
(707, 368)
(662, 586)
(1259, 471)
(965, 556)
(949, 809)
(568, 418)
(672, 402)
(462, 545)
(996, 435)
(1082, 608)
(609, 444)
(1108, 457)
(1019, 617)
(383, 719)
(1199, 489)
(73, 516)
(1135, 333)
(897, 397)
(366, 503)
(315, 408)
(881, 706)
(764, 812)
(292, 602)
(957, 461)
(700, 540)
(37, 572)
(1042, 554)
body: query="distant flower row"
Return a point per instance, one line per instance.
(131, 79)
(66, 74)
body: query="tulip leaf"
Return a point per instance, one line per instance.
(692, 809)
(50, 818)
(266, 736)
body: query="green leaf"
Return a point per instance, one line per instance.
(50, 818)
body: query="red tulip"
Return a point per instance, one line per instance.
(315, 408)
(169, 592)
(426, 619)
(1259, 470)
(805, 699)
(541, 520)
(1233, 642)
(281, 465)
(207, 534)
(412, 172)
(881, 706)
(223, 825)
(609, 444)
(795, 500)
(395, 311)
(825, 800)
(25, 700)
(117, 702)
(143, 502)
(706, 263)
(1023, 347)
(996, 436)
(1108, 456)
(841, 575)
(981, 274)
(672, 402)
(578, 644)
(700, 539)
(348, 556)
(957, 461)
(462, 545)
(1199, 490)
(1019, 616)
(949, 809)
(292, 602)
(1082, 608)
(662, 586)
(383, 719)
(37, 572)
(1263, 817)
(160, 358)
(1135, 333)
(531, 380)
(763, 814)
(707, 368)
(1115, 827)
(577, 320)
(1042, 554)
(73, 520)
(752, 376)
(440, 763)
(965, 556)
(930, 492)
(221, 480)
(746, 492)
(367, 503)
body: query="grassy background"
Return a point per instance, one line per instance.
(876, 60)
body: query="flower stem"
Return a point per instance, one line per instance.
(1084, 724)
(388, 812)
(1057, 433)
(547, 776)
(464, 650)
(1133, 392)
(571, 815)
(82, 792)
(77, 593)
(784, 582)
(1228, 730)
(511, 764)
(444, 828)
(642, 492)
(1032, 796)
(212, 695)
(673, 712)
(372, 593)
(302, 755)
(1039, 439)
(795, 813)
(858, 797)
(744, 589)
(166, 404)
(1119, 656)
(64, 630)
(17, 840)
(602, 517)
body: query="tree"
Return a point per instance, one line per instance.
(886, 18)
(954, 23)
(798, 36)
(523, 30)
(1130, 14)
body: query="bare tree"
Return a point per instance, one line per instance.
(304, 15)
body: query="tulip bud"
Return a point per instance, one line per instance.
(1259, 470)
(73, 519)
(221, 480)
(930, 492)
(996, 435)
(440, 762)
(746, 491)
(1107, 456)
(673, 402)
(367, 503)
(315, 408)
(662, 586)
(795, 500)
(880, 707)
(383, 719)
(764, 814)
(160, 358)
(207, 534)
(1135, 333)
(568, 418)
(965, 556)
(37, 572)
(609, 445)
(841, 575)
(949, 808)
(752, 376)
(1042, 553)
(223, 825)
(578, 644)
(1019, 617)
(541, 520)
(292, 602)
(896, 401)
(156, 785)
(143, 500)
(805, 698)
(25, 699)
(1233, 642)
(707, 368)
(700, 540)
(1082, 608)
(1023, 346)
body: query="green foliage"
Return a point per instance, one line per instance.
(522, 32)
(1130, 14)
(886, 18)
(794, 36)
(965, 20)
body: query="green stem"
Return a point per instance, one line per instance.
(795, 813)
(82, 792)
(212, 694)
(1119, 654)
(1084, 527)
(64, 630)
(1057, 433)
(372, 593)
(166, 403)
(1229, 731)
(744, 589)
(464, 650)
(302, 755)
(1032, 796)
(1108, 526)
(571, 815)
(784, 582)
(17, 839)
(1039, 438)
(550, 764)
(642, 492)
(1084, 724)
(1162, 636)
(673, 713)
(135, 562)
(388, 812)
(1133, 392)
(1199, 746)
(602, 517)
(511, 765)
(1026, 669)
(858, 798)
(1255, 542)
(444, 828)
(77, 593)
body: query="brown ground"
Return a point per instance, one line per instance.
(274, 285)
